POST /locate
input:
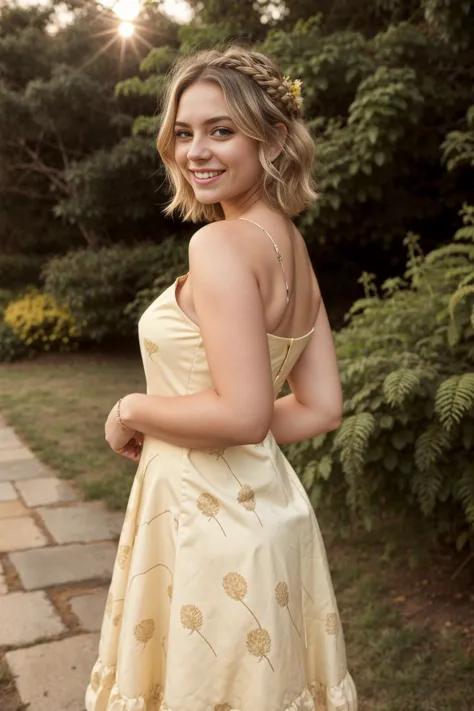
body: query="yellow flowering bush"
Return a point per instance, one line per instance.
(41, 323)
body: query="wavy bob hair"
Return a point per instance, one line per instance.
(255, 92)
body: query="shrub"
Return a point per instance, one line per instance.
(42, 324)
(407, 367)
(98, 285)
(11, 346)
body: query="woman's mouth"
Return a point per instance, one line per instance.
(204, 177)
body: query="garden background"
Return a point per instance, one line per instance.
(84, 248)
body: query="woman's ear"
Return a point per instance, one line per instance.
(276, 146)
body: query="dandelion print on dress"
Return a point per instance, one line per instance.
(332, 623)
(150, 347)
(191, 619)
(235, 587)
(209, 506)
(246, 497)
(122, 556)
(282, 595)
(259, 644)
(144, 631)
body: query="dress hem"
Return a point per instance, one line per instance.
(315, 697)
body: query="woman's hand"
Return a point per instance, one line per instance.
(126, 442)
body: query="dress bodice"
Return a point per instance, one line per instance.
(173, 353)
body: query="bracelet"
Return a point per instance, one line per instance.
(122, 423)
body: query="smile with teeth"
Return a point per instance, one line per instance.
(206, 174)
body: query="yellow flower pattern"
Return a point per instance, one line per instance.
(246, 495)
(282, 595)
(332, 623)
(150, 347)
(191, 619)
(144, 631)
(259, 644)
(209, 506)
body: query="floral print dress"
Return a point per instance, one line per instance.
(221, 597)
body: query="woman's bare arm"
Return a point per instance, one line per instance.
(230, 312)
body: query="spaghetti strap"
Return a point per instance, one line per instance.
(277, 251)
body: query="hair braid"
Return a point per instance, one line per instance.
(263, 72)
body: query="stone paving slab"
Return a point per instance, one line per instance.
(27, 616)
(7, 492)
(48, 490)
(64, 564)
(26, 469)
(8, 438)
(84, 522)
(54, 676)
(16, 455)
(3, 585)
(19, 534)
(10, 509)
(89, 609)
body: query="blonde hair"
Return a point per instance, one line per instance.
(258, 98)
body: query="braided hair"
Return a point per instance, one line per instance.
(263, 72)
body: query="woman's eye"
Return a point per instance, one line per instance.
(181, 133)
(221, 132)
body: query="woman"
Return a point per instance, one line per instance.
(221, 597)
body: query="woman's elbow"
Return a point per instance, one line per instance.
(334, 422)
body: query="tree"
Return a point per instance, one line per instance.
(61, 125)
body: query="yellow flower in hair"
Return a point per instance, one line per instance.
(294, 89)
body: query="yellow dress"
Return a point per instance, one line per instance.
(221, 597)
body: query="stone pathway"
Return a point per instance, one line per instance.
(56, 559)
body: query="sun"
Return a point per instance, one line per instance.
(126, 29)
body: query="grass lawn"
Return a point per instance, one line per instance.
(410, 633)
(59, 405)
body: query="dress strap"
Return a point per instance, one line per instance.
(277, 252)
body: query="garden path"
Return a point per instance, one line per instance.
(56, 559)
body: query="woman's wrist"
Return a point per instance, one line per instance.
(125, 412)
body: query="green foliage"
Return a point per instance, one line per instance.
(406, 359)
(11, 346)
(98, 285)
(41, 323)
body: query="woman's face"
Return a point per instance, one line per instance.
(219, 161)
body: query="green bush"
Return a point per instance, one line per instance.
(11, 346)
(41, 323)
(99, 285)
(19, 270)
(407, 368)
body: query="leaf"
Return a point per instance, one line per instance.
(325, 466)
(309, 475)
(398, 385)
(454, 398)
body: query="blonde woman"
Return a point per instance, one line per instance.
(221, 597)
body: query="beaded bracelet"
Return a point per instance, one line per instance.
(122, 423)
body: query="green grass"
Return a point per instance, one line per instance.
(397, 666)
(59, 405)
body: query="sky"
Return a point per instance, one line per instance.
(127, 10)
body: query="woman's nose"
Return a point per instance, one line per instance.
(198, 150)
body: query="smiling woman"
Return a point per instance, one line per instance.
(221, 597)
